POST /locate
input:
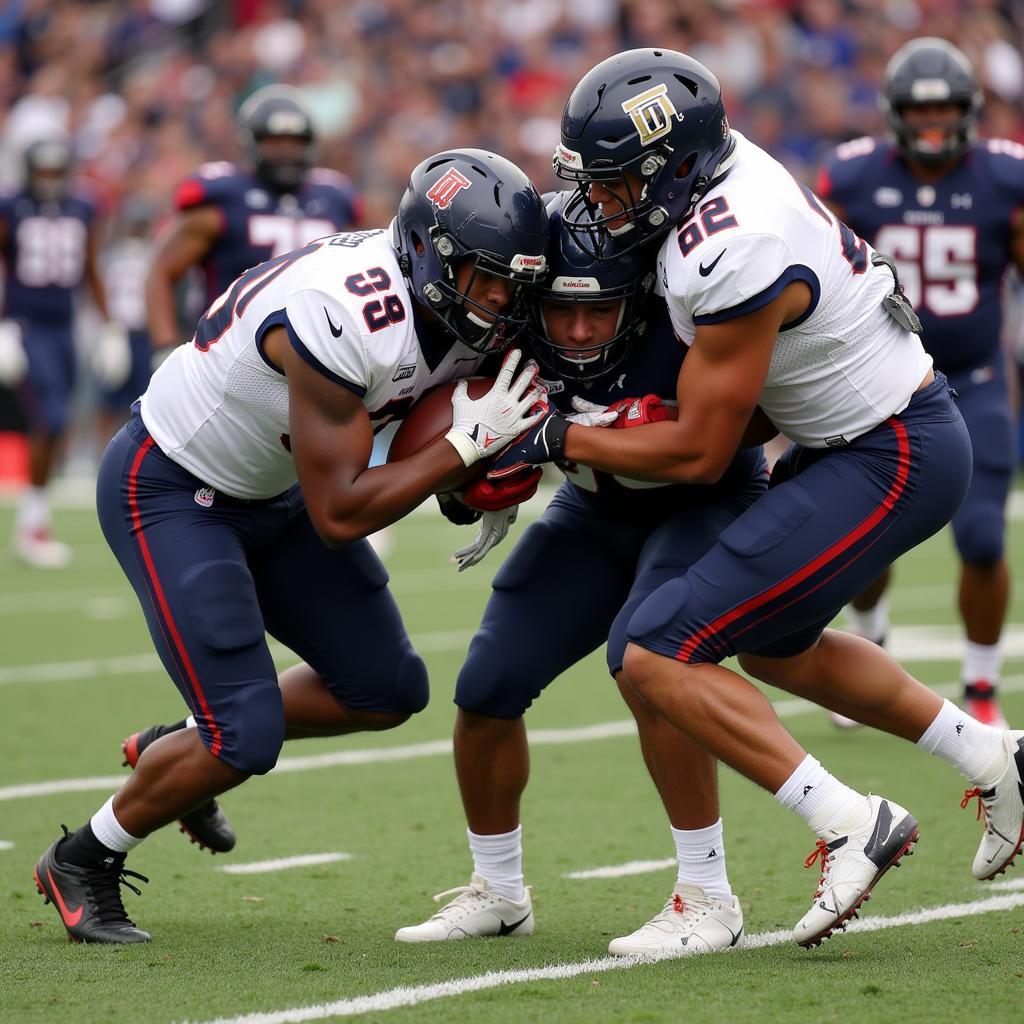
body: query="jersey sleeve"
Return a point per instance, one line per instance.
(343, 200)
(212, 184)
(1006, 160)
(740, 275)
(321, 329)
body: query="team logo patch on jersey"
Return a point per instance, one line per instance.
(405, 372)
(447, 187)
(651, 113)
(205, 496)
(552, 387)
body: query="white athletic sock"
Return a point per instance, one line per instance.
(981, 663)
(974, 749)
(33, 510)
(109, 832)
(873, 623)
(700, 859)
(500, 860)
(819, 798)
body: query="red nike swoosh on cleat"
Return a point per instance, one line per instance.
(69, 918)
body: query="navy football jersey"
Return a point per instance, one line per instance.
(257, 223)
(651, 368)
(950, 240)
(45, 247)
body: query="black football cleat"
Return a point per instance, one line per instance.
(207, 825)
(88, 899)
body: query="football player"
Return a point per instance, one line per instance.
(794, 324)
(231, 218)
(237, 498)
(601, 337)
(50, 238)
(948, 209)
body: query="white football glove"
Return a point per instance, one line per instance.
(492, 531)
(481, 427)
(13, 361)
(112, 356)
(590, 414)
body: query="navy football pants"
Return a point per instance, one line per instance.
(830, 522)
(213, 574)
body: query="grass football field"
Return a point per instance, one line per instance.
(313, 941)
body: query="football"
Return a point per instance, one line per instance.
(431, 418)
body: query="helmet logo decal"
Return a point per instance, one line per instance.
(447, 187)
(651, 113)
(527, 264)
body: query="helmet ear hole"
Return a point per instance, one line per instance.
(417, 243)
(686, 166)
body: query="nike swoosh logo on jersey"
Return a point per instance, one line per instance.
(336, 331)
(704, 271)
(508, 929)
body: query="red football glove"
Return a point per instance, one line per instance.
(495, 495)
(635, 411)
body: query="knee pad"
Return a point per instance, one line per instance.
(979, 533)
(491, 685)
(413, 686)
(253, 732)
(221, 600)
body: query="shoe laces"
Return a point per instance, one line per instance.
(984, 798)
(685, 908)
(464, 896)
(822, 853)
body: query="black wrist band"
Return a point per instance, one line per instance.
(554, 434)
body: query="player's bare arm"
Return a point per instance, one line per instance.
(719, 385)
(331, 441)
(187, 243)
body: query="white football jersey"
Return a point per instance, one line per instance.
(218, 408)
(846, 365)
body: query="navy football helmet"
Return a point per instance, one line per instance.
(656, 115)
(277, 111)
(469, 204)
(48, 170)
(926, 71)
(575, 276)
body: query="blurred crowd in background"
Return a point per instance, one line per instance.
(146, 90)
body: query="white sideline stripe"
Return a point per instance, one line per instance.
(6, 844)
(392, 999)
(259, 867)
(631, 867)
(432, 748)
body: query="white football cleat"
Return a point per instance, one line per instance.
(853, 858)
(691, 922)
(39, 550)
(1002, 805)
(475, 911)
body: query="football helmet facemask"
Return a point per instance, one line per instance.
(471, 205)
(48, 170)
(271, 113)
(927, 72)
(656, 115)
(575, 276)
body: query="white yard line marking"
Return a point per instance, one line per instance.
(1011, 886)
(260, 867)
(631, 867)
(392, 999)
(6, 844)
(908, 643)
(787, 708)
